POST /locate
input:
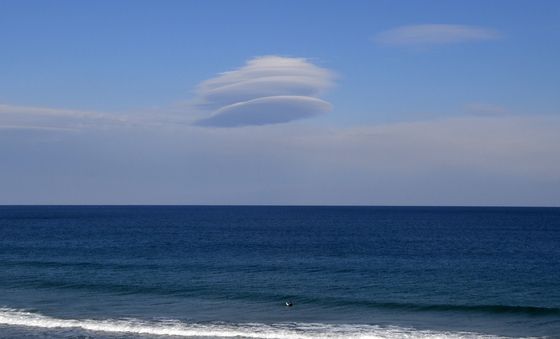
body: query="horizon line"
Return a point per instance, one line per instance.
(278, 205)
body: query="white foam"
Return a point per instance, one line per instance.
(249, 330)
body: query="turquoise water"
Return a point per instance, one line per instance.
(389, 272)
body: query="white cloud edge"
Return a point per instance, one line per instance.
(282, 109)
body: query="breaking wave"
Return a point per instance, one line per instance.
(13, 317)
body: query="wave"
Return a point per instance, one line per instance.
(13, 317)
(421, 307)
(213, 292)
(495, 309)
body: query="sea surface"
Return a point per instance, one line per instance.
(351, 272)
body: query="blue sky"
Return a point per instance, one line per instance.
(280, 102)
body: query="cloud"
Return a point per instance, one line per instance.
(267, 90)
(35, 128)
(434, 34)
(266, 110)
(36, 118)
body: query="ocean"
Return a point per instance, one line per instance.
(217, 271)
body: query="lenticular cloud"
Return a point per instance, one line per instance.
(267, 90)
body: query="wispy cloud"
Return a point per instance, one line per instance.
(35, 128)
(434, 34)
(267, 90)
(35, 118)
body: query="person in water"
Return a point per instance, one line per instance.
(289, 304)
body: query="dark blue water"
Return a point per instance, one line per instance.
(227, 271)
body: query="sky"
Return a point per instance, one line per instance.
(280, 102)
